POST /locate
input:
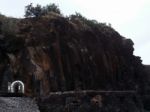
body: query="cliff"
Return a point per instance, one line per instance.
(54, 53)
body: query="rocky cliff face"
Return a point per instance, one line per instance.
(53, 53)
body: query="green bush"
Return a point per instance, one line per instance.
(38, 10)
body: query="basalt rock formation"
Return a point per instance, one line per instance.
(53, 53)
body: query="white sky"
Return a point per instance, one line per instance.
(131, 18)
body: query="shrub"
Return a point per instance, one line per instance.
(38, 10)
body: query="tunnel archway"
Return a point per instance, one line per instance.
(17, 87)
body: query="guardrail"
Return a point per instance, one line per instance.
(89, 92)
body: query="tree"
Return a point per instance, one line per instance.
(52, 8)
(37, 11)
(31, 11)
(77, 15)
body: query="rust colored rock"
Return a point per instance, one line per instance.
(57, 54)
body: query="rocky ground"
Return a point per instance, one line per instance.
(18, 104)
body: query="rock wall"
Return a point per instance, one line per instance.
(92, 101)
(53, 53)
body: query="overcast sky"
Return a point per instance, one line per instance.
(131, 18)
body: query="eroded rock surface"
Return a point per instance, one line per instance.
(53, 53)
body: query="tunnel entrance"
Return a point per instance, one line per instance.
(17, 87)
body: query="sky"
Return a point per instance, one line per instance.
(131, 18)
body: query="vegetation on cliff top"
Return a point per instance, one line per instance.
(10, 27)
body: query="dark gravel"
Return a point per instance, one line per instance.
(18, 104)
